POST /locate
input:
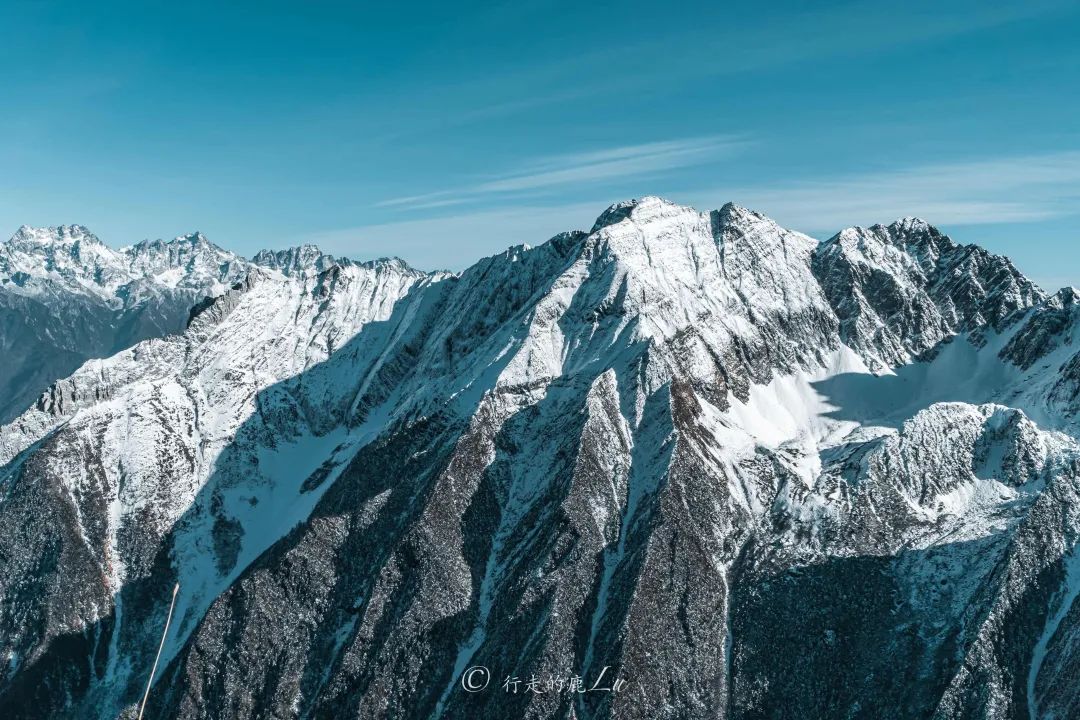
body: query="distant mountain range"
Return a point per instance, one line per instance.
(735, 471)
(66, 297)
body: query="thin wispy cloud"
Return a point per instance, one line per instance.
(980, 192)
(1013, 189)
(667, 62)
(575, 169)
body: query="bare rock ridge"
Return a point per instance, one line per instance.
(748, 474)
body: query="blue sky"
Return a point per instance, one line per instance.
(442, 132)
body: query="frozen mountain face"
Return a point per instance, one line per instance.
(900, 290)
(1047, 341)
(65, 297)
(651, 455)
(300, 260)
(189, 261)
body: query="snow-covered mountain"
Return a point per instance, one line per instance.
(66, 297)
(735, 472)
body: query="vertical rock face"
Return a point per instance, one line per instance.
(643, 472)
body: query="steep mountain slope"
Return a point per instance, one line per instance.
(65, 297)
(135, 446)
(652, 457)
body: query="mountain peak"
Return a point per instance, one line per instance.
(732, 218)
(393, 263)
(297, 260)
(651, 207)
(911, 237)
(643, 208)
(194, 238)
(59, 234)
(65, 251)
(901, 289)
(614, 213)
(1065, 297)
(912, 224)
(189, 260)
(731, 212)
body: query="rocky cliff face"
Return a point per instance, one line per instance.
(698, 464)
(900, 290)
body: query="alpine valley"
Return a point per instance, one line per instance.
(703, 465)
